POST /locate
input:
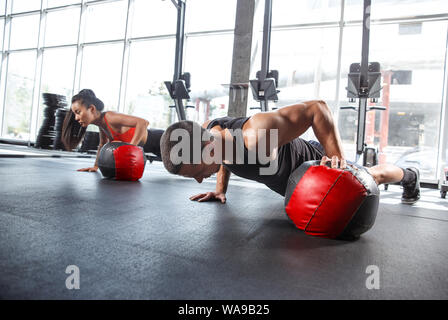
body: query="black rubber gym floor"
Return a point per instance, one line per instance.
(147, 240)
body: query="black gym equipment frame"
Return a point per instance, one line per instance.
(264, 88)
(364, 83)
(179, 88)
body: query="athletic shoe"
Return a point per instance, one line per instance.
(411, 191)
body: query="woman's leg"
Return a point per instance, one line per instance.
(153, 141)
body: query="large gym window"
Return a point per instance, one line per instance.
(386, 9)
(293, 12)
(153, 18)
(19, 95)
(150, 64)
(105, 21)
(60, 3)
(101, 71)
(306, 72)
(208, 15)
(62, 27)
(24, 31)
(58, 67)
(2, 27)
(25, 5)
(2, 7)
(407, 132)
(209, 60)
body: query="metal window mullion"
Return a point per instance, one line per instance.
(417, 18)
(190, 34)
(9, 25)
(2, 75)
(24, 13)
(125, 58)
(20, 50)
(329, 24)
(184, 55)
(339, 63)
(79, 48)
(103, 42)
(5, 63)
(94, 2)
(52, 9)
(332, 24)
(209, 33)
(149, 38)
(37, 76)
(443, 134)
(378, 22)
(35, 97)
(59, 46)
(6, 9)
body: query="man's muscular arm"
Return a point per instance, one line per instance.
(223, 175)
(293, 121)
(222, 181)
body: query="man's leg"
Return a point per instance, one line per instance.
(409, 179)
(386, 173)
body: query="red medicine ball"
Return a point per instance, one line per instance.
(122, 161)
(332, 203)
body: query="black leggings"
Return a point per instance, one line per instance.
(153, 141)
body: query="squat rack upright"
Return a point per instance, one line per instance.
(264, 88)
(364, 83)
(179, 88)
